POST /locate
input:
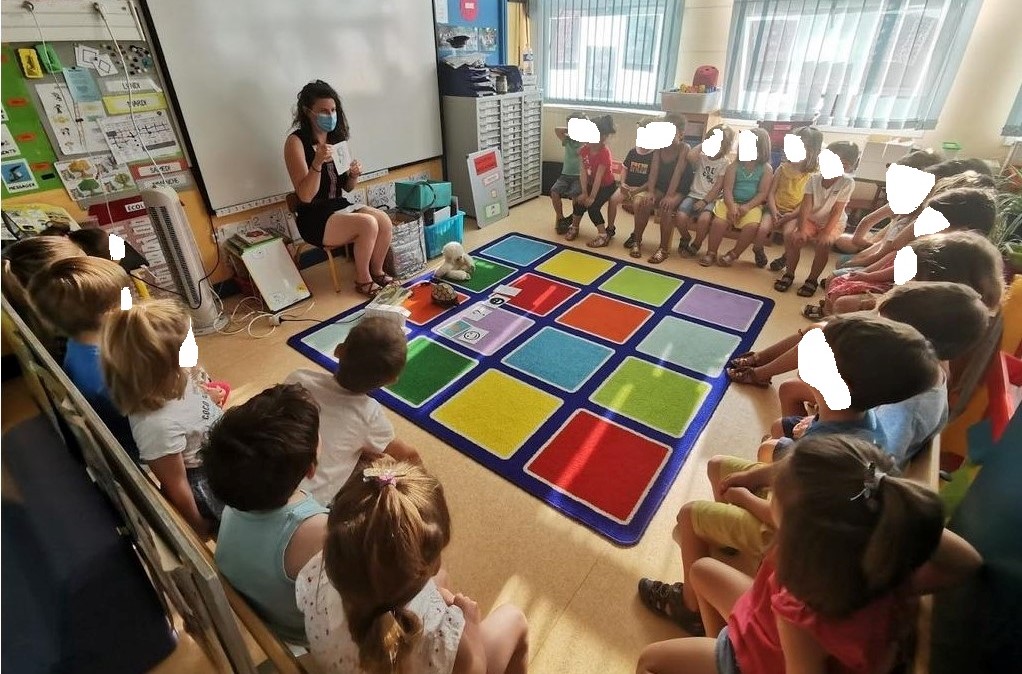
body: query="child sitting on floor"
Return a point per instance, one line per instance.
(375, 600)
(76, 294)
(866, 351)
(255, 457)
(787, 189)
(598, 185)
(567, 184)
(350, 421)
(746, 185)
(821, 219)
(169, 413)
(854, 544)
(707, 180)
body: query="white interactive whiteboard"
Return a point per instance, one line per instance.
(236, 67)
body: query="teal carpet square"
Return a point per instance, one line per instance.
(689, 345)
(559, 359)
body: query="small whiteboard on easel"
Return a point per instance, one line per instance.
(489, 190)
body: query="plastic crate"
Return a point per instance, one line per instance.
(677, 101)
(439, 234)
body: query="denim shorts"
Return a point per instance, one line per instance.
(567, 186)
(688, 203)
(727, 662)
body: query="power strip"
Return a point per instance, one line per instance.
(393, 313)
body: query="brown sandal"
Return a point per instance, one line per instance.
(745, 360)
(659, 256)
(727, 259)
(636, 250)
(368, 289)
(571, 234)
(745, 375)
(600, 241)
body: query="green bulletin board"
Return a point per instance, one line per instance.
(33, 165)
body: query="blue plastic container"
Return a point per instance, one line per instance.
(439, 234)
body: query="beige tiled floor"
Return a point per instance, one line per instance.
(577, 588)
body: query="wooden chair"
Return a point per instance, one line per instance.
(347, 250)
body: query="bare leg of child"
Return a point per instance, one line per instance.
(643, 206)
(702, 228)
(717, 229)
(745, 237)
(612, 206)
(693, 548)
(850, 303)
(765, 453)
(505, 635)
(718, 587)
(691, 655)
(821, 255)
(844, 244)
(555, 199)
(763, 232)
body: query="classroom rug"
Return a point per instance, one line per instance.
(586, 385)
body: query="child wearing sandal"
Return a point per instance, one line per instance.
(669, 167)
(707, 179)
(787, 190)
(637, 187)
(746, 185)
(821, 219)
(598, 185)
(855, 545)
(567, 184)
(375, 600)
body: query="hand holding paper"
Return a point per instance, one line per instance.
(342, 157)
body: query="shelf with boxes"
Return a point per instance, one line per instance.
(512, 123)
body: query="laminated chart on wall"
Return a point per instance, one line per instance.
(130, 136)
(27, 155)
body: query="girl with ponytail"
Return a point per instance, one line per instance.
(375, 600)
(855, 543)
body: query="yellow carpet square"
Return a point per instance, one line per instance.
(575, 266)
(497, 412)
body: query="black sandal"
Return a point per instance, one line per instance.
(383, 280)
(782, 284)
(814, 312)
(808, 288)
(778, 263)
(368, 289)
(665, 600)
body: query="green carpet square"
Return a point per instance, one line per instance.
(486, 274)
(652, 395)
(642, 286)
(431, 367)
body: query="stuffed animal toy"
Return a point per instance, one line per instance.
(458, 265)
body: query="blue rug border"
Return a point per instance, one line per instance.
(513, 469)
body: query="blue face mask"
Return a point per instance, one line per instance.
(326, 122)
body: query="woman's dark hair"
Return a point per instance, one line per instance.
(307, 97)
(840, 545)
(952, 167)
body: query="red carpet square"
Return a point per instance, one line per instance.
(600, 463)
(421, 305)
(540, 296)
(611, 319)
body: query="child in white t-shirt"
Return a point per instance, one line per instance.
(168, 412)
(350, 421)
(821, 219)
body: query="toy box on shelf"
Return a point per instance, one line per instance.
(699, 102)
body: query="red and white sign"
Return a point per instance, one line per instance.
(149, 171)
(469, 9)
(128, 219)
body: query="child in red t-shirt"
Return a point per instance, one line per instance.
(853, 546)
(598, 185)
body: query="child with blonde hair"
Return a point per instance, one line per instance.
(707, 180)
(855, 543)
(352, 423)
(787, 189)
(168, 411)
(76, 294)
(21, 261)
(373, 600)
(744, 190)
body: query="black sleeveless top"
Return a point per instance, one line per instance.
(665, 172)
(311, 217)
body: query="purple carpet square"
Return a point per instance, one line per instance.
(484, 334)
(719, 307)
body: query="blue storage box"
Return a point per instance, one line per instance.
(439, 234)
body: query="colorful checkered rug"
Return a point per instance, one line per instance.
(587, 389)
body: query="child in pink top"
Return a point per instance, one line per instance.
(853, 545)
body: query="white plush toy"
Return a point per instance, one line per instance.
(458, 265)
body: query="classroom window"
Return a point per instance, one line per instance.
(885, 64)
(1013, 127)
(610, 52)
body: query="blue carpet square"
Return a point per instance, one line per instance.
(559, 359)
(518, 250)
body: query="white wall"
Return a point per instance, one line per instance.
(977, 105)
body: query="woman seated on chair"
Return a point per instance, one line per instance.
(308, 152)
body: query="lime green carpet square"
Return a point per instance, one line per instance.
(641, 285)
(651, 395)
(486, 274)
(429, 369)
